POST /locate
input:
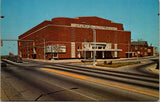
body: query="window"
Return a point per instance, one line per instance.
(55, 55)
(145, 48)
(136, 47)
(93, 47)
(99, 47)
(145, 53)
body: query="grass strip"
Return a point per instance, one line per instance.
(116, 65)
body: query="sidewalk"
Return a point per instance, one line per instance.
(78, 60)
(153, 68)
(89, 64)
(3, 96)
(57, 61)
(86, 64)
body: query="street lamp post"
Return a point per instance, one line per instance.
(44, 48)
(128, 50)
(27, 50)
(131, 48)
(85, 49)
(94, 40)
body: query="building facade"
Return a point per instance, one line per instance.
(64, 37)
(155, 51)
(141, 49)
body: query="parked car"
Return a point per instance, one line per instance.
(15, 59)
(19, 60)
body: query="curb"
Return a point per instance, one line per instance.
(4, 96)
(153, 69)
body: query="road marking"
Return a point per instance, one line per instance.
(126, 87)
(72, 75)
(64, 73)
(116, 85)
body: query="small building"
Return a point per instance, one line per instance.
(155, 51)
(150, 50)
(64, 37)
(141, 49)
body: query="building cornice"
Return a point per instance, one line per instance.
(66, 26)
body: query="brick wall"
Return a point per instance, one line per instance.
(59, 31)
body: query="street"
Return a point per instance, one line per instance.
(42, 81)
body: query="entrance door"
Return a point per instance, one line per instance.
(108, 54)
(88, 54)
(34, 56)
(99, 54)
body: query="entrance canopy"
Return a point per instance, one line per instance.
(100, 49)
(100, 46)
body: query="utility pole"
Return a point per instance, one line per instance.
(44, 48)
(27, 49)
(85, 49)
(19, 42)
(138, 51)
(128, 49)
(94, 41)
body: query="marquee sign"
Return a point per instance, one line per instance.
(48, 49)
(59, 49)
(56, 49)
(93, 26)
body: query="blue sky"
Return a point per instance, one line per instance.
(138, 16)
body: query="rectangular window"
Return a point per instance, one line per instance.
(99, 47)
(145, 53)
(55, 55)
(93, 47)
(136, 47)
(145, 48)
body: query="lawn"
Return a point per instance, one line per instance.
(116, 65)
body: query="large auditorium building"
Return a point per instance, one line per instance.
(64, 37)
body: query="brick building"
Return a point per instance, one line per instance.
(141, 49)
(64, 37)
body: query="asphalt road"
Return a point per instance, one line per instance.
(41, 81)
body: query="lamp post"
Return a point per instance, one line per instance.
(131, 48)
(94, 40)
(128, 50)
(85, 49)
(43, 46)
